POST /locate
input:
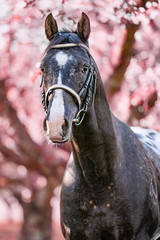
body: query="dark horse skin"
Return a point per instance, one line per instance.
(111, 186)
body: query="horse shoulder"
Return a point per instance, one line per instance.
(70, 173)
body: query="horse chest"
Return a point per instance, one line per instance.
(113, 215)
(89, 216)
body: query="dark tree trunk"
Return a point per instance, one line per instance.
(38, 216)
(37, 223)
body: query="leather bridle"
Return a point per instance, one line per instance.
(89, 86)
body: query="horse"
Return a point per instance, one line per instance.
(111, 186)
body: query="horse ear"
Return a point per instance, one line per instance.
(83, 27)
(51, 27)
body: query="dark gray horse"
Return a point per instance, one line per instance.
(111, 187)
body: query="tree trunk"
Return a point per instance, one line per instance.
(37, 223)
(38, 215)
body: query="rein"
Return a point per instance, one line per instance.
(89, 85)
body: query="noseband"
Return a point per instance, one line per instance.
(89, 85)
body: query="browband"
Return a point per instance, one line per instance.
(66, 45)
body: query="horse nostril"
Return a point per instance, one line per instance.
(64, 128)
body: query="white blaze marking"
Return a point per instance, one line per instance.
(61, 58)
(57, 107)
(56, 116)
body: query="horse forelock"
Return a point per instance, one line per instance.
(65, 36)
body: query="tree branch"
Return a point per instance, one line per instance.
(114, 83)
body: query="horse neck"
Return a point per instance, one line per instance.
(94, 142)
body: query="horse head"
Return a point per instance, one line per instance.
(67, 78)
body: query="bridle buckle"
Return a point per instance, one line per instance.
(79, 119)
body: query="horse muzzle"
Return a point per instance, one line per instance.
(61, 110)
(57, 130)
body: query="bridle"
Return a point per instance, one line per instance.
(89, 85)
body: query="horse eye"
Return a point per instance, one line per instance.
(85, 69)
